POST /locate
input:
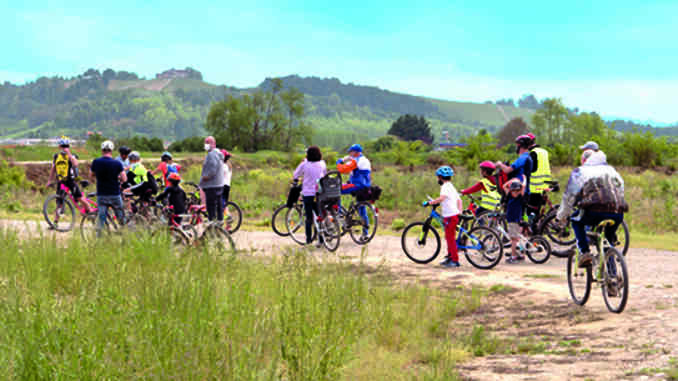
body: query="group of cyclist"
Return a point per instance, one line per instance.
(595, 190)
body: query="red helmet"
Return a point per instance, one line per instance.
(531, 136)
(174, 176)
(488, 164)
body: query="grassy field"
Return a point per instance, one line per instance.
(143, 312)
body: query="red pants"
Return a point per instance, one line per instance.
(451, 237)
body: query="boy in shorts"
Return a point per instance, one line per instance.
(515, 190)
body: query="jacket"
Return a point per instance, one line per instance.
(360, 169)
(594, 186)
(212, 169)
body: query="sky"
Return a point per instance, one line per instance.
(618, 58)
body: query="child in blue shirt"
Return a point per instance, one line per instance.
(515, 190)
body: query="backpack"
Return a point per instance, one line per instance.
(62, 166)
(152, 183)
(330, 188)
(172, 168)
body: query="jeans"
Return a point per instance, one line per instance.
(451, 237)
(213, 203)
(592, 219)
(115, 202)
(309, 206)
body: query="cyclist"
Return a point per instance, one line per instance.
(598, 190)
(138, 177)
(166, 167)
(64, 168)
(514, 190)
(360, 169)
(109, 174)
(124, 152)
(539, 176)
(451, 208)
(175, 195)
(521, 168)
(490, 198)
(212, 180)
(228, 173)
(312, 169)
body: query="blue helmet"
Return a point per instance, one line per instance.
(63, 141)
(445, 171)
(356, 148)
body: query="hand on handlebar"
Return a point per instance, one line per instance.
(425, 204)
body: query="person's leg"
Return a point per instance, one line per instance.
(450, 238)
(514, 234)
(217, 203)
(210, 200)
(309, 207)
(116, 202)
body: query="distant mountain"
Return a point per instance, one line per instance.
(173, 105)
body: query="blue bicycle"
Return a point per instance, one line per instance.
(481, 245)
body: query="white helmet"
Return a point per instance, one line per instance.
(107, 146)
(134, 155)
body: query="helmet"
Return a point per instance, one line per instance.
(225, 153)
(515, 186)
(356, 148)
(166, 156)
(531, 136)
(134, 155)
(174, 176)
(107, 146)
(488, 165)
(523, 141)
(124, 150)
(63, 141)
(445, 171)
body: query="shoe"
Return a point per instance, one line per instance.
(450, 263)
(585, 260)
(364, 238)
(514, 260)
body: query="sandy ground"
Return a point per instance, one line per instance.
(536, 304)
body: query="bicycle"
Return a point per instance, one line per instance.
(183, 229)
(361, 228)
(608, 269)
(89, 229)
(478, 244)
(294, 201)
(233, 220)
(59, 208)
(565, 235)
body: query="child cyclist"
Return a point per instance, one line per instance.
(490, 198)
(451, 208)
(176, 196)
(515, 190)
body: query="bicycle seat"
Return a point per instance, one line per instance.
(84, 183)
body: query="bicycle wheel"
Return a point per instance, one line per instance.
(623, 240)
(295, 222)
(176, 237)
(420, 242)
(59, 213)
(538, 249)
(578, 280)
(88, 226)
(559, 235)
(137, 224)
(482, 247)
(494, 221)
(615, 284)
(217, 238)
(360, 229)
(233, 217)
(278, 221)
(330, 231)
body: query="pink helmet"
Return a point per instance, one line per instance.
(531, 136)
(488, 164)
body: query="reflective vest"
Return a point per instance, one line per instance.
(140, 173)
(62, 166)
(543, 173)
(489, 198)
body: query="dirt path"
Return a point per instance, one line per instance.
(579, 342)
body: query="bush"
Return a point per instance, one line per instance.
(398, 224)
(192, 144)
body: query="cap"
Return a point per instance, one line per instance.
(589, 145)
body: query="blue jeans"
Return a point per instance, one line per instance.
(115, 202)
(592, 219)
(361, 210)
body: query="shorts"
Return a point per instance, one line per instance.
(73, 187)
(514, 230)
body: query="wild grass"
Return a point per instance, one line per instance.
(70, 311)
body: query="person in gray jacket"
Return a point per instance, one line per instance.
(212, 180)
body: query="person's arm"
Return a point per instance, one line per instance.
(569, 196)
(162, 195)
(73, 158)
(348, 166)
(299, 170)
(210, 168)
(474, 189)
(533, 156)
(92, 169)
(438, 200)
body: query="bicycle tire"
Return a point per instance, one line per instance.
(550, 227)
(573, 272)
(331, 231)
(88, 226)
(67, 207)
(627, 238)
(357, 236)
(415, 236)
(541, 245)
(218, 238)
(295, 222)
(491, 248)
(237, 220)
(623, 288)
(281, 210)
(484, 219)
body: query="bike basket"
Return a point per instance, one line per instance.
(330, 187)
(293, 195)
(368, 194)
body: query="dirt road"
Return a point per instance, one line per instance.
(579, 342)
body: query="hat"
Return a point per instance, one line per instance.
(589, 145)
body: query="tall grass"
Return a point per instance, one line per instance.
(142, 311)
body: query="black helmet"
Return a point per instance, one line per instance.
(124, 150)
(524, 141)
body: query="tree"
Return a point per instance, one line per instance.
(551, 122)
(529, 101)
(410, 127)
(514, 128)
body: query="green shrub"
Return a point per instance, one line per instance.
(398, 224)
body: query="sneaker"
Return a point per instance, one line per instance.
(514, 260)
(585, 259)
(364, 238)
(450, 263)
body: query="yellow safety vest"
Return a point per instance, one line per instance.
(140, 173)
(539, 177)
(489, 198)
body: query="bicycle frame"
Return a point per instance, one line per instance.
(461, 231)
(63, 189)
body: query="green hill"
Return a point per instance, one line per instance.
(174, 105)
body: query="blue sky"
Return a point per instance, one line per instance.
(618, 58)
